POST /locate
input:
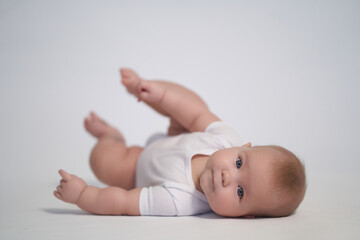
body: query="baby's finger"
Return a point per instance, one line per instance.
(66, 176)
(57, 194)
(59, 189)
(62, 182)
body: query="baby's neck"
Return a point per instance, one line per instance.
(198, 163)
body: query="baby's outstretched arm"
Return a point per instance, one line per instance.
(110, 200)
(180, 105)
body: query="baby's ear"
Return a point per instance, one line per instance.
(247, 144)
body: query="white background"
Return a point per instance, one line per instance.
(280, 72)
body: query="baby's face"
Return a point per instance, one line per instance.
(238, 181)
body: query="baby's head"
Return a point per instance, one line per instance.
(253, 181)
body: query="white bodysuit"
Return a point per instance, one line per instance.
(164, 170)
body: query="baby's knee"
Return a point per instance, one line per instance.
(107, 150)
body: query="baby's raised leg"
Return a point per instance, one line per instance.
(111, 160)
(131, 81)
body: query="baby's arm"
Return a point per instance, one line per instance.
(109, 201)
(180, 105)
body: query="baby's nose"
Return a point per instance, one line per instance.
(225, 178)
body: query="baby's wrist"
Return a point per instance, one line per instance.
(81, 192)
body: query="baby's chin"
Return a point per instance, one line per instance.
(204, 183)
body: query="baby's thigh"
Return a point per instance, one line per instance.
(176, 128)
(114, 163)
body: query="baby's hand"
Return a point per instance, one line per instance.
(70, 187)
(150, 91)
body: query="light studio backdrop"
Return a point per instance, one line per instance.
(280, 72)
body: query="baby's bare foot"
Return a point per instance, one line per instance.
(98, 128)
(130, 80)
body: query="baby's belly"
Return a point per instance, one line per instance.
(159, 163)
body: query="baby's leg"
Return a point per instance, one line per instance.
(111, 160)
(131, 81)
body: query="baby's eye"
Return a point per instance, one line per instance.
(238, 163)
(240, 192)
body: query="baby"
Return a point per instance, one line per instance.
(198, 166)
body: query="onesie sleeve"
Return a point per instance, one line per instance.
(225, 131)
(172, 199)
(156, 200)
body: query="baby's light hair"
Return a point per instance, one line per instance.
(289, 181)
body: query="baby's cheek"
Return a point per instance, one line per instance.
(221, 204)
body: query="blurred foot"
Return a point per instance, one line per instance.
(130, 80)
(99, 128)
